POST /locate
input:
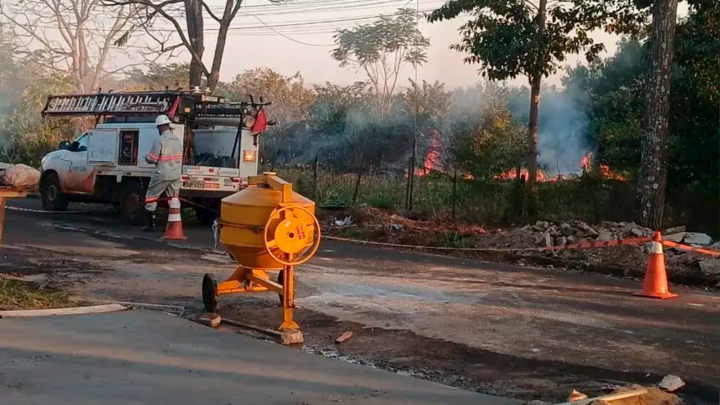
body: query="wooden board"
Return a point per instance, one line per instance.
(9, 192)
(95, 309)
(609, 397)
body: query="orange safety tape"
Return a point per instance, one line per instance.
(582, 245)
(189, 202)
(688, 248)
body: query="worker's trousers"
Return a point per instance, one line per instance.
(156, 189)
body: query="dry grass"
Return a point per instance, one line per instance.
(17, 294)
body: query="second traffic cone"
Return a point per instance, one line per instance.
(655, 284)
(174, 228)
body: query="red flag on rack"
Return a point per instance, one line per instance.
(260, 124)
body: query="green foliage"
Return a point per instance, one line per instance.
(158, 77)
(289, 95)
(504, 37)
(27, 137)
(380, 49)
(486, 138)
(614, 101)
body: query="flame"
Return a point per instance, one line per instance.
(585, 164)
(512, 174)
(605, 171)
(432, 158)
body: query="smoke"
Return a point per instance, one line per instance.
(562, 128)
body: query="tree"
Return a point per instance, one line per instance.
(69, 37)
(650, 194)
(158, 77)
(486, 139)
(291, 99)
(381, 49)
(428, 106)
(512, 38)
(192, 38)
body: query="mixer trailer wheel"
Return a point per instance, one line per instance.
(288, 235)
(209, 292)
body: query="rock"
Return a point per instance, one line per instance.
(572, 239)
(576, 395)
(696, 238)
(605, 236)
(710, 267)
(627, 228)
(567, 230)
(291, 337)
(589, 230)
(541, 225)
(637, 232)
(544, 240)
(580, 234)
(211, 320)
(675, 237)
(675, 229)
(560, 241)
(671, 383)
(608, 224)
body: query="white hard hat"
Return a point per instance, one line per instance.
(162, 120)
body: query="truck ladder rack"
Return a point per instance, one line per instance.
(188, 104)
(121, 103)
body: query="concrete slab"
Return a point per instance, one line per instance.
(141, 357)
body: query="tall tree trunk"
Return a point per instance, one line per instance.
(650, 197)
(535, 82)
(194, 17)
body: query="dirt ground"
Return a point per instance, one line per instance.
(514, 331)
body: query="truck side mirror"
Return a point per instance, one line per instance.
(64, 145)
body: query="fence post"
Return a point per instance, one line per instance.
(454, 194)
(412, 175)
(315, 177)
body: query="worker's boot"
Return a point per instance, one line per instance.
(150, 224)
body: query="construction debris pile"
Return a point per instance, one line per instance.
(513, 244)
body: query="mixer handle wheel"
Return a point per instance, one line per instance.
(271, 243)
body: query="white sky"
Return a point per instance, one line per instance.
(249, 47)
(297, 36)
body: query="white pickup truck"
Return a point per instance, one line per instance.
(105, 164)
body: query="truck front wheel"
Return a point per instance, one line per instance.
(51, 194)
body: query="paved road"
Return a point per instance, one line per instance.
(138, 357)
(486, 322)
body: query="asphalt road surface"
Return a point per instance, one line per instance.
(141, 357)
(505, 330)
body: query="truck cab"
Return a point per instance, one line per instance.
(106, 163)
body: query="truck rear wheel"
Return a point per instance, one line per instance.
(51, 194)
(132, 197)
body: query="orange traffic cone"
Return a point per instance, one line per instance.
(655, 284)
(174, 228)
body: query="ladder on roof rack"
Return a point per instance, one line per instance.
(121, 103)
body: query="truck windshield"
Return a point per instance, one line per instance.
(214, 147)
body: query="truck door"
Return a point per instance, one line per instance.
(102, 147)
(79, 178)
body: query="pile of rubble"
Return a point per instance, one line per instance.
(548, 234)
(629, 260)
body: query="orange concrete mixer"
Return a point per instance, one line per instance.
(265, 227)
